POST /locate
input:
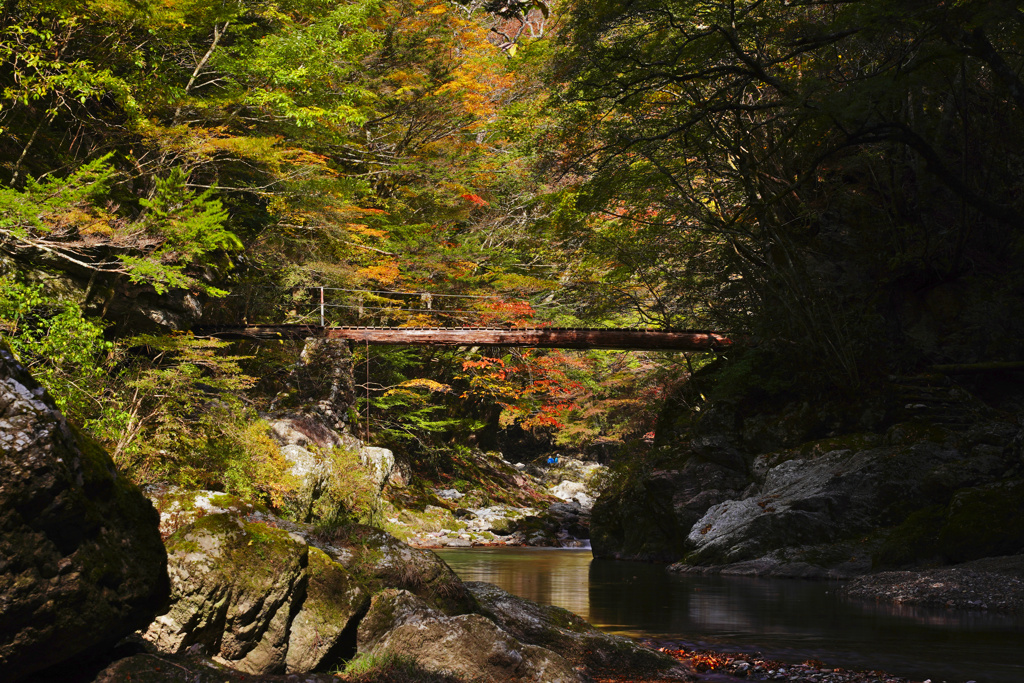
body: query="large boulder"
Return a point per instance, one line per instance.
(257, 597)
(816, 496)
(648, 515)
(191, 668)
(567, 634)
(467, 645)
(267, 595)
(81, 561)
(380, 561)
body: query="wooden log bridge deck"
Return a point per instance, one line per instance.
(548, 337)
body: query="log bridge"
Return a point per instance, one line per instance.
(548, 337)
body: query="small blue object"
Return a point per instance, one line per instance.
(552, 459)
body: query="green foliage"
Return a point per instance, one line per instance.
(64, 351)
(349, 494)
(177, 230)
(180, 419)
(168, 408)
(44, 206)
(189, 227)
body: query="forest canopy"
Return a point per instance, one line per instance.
(838, 183)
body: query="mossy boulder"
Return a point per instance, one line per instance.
(567, 634)
(379, 560)
(258, 597)
(324, 629)
(81, 561)
(234, 585)
(179, 507)
(979, 521)
(467, 645)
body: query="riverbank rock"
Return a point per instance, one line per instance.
(266, 595)
(649, 518)
(468, 645)
(379, 560)
(567, 634)
(187, 668)
(907, 496)
(816, 499)
(324, 629)
(257, 597)
(81, 562)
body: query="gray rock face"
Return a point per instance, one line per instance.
(652, 523)
(806, 501)
(81, 561)
(257, 597)
(306, 440)
(323, 631)
(569, 635)
(467, 645)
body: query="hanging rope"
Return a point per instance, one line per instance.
(367, 421)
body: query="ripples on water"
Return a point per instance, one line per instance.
(787, 619)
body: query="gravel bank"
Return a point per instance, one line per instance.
(713, 666)
(994, 583)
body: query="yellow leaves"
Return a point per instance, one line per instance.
(361, 229)
(437, 9)
(409, 388)
(385, 273)
(463, 268)
(90, 221)
(428, 384)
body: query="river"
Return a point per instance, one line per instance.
(790, 620)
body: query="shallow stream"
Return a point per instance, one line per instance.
(791, 620)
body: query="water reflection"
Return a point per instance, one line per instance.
(545, 575)
(789, 619)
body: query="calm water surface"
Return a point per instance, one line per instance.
(787, 619)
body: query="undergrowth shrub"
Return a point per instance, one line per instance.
(168, 408)
(350, 494)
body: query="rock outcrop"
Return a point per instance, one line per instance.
(81, 561)
(649, 518)
(258, 597)
(728, 498)
(265, 595)
(567, 634)
(857, 502)
(310, 423)
(468, 645)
